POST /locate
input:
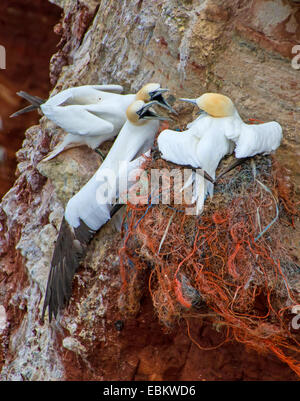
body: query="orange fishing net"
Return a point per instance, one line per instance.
(231, 263)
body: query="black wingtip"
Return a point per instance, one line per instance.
(235, 164)
(115, 209)
(69, 250)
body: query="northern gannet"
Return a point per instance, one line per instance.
(85, 213)
(213, 135)
(90, 114)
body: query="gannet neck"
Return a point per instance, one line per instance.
(129, 141)
(237, 116)
(216, 105)
(128, 99)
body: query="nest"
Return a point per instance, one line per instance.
(230, 264)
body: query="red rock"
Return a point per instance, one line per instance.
(26, 33)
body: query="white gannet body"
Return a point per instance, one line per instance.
(90, 123)
(91, 114)
(213, 135)
(84, 214)
(135, 138)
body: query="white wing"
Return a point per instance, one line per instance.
(77, 120)
(203, 151)
(81, 95)
(255, 139)
(181, 148)
(109, 88)
(197, 120)
(178, 147)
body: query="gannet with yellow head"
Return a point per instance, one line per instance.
(215, 133)
(90, 114)
(85, 213)
(153, 91)
(214, 104)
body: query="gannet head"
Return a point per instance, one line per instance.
(139, 112)
(153, 91)
(214, 104)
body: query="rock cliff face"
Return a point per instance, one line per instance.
(26, 33)
(240, 48)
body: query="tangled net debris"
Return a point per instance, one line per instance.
(231, 263)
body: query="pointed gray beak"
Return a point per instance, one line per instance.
(147, 114)
(161, 90)
(200, 112)
(169, 107)
(149, 104)
(157, 95)
(193, 101)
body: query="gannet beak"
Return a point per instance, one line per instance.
(157, 95)
(147, 114)
(193, 101)
(162, 90)
(200, 112)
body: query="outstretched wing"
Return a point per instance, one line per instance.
(178, 147)
(69, 250)
(84, 215)
(204, 151)
(181, 148)
(257, 138)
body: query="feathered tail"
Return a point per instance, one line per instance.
(34, 100)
